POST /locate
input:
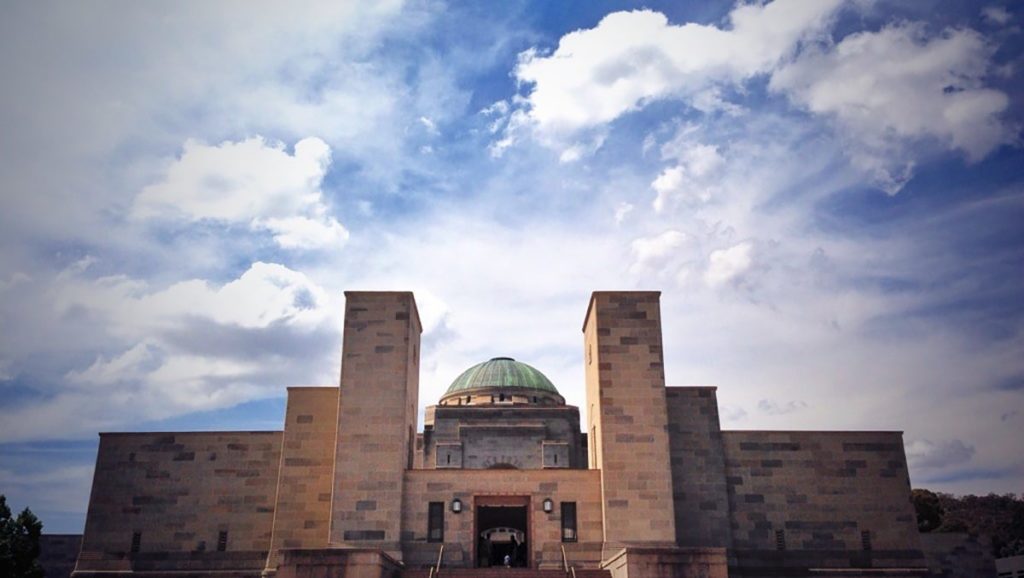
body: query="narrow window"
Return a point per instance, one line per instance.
(780, 540)
(568, 521)
(435, 522)
(501, 397)
(448, 459)
(467, 399)
(535, 399)
(593, 445)
(556, 458)
(865, 540)
(222, 541)
(136, 541)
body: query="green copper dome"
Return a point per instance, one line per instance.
(501, 372)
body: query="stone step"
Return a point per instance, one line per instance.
(505, 573)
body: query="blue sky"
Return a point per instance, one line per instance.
(828, 193)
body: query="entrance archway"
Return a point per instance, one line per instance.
(502, 529)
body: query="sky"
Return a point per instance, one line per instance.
(827, 193)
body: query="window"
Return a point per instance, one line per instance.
(501, 397)
(435, 522)
(780, 540)
(467, 400)
(568, 521)
(865, 540)
(136, 541)
(593, 444)
(222, 541)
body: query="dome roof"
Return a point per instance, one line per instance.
(501, 372)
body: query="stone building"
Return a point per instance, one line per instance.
(503, 473)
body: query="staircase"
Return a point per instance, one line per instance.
(505, 573)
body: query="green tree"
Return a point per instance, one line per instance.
(929, 510)
(19, 543)
(1000, 517)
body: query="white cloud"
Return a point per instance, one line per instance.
(622, 210)
(250, 182)
(996, 15)
(305, 233)
(929, 455)
(669, 181)
(887, 88)
(265, 294)
(888, 91)
(632, 58)
(17, 278)
(651, 253)
(773, 408)
(724, 265)
(694, 178)
(191, 346)
(429, 125)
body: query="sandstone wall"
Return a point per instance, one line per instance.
(959, 555)
(487, 436)
(820, 499)
(376, 418)
(699, 492)
(302, 515)
(179, 491)
(58, 553)
(628, 417)
(544, 536)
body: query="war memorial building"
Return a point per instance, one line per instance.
(502, 473)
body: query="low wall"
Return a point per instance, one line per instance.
(957, 554)
(58, 553)
(181, 497)
(337, 563)
(668, 563)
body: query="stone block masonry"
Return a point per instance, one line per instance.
(181, 501)
(699, 490)
(302, 515)
(376, 419)
(579, 486)
(628, 418)
(821, 499)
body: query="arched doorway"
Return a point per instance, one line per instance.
(502, 529)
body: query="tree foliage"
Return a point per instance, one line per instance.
(19, 543)
(1001, 518)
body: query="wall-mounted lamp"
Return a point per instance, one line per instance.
(548, 505)
(457, 505)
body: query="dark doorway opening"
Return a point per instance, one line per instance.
(502, 532)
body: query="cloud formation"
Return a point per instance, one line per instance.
(250, 182)
(901, 84)
(890, 91)
(633, 58)
(187, 347)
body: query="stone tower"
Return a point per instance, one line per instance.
(627, 418)
(376, 419)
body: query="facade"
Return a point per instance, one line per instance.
(503, 473)
(1010, 567)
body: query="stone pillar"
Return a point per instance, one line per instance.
(376, 419)
(302, 513)
(627, 419)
